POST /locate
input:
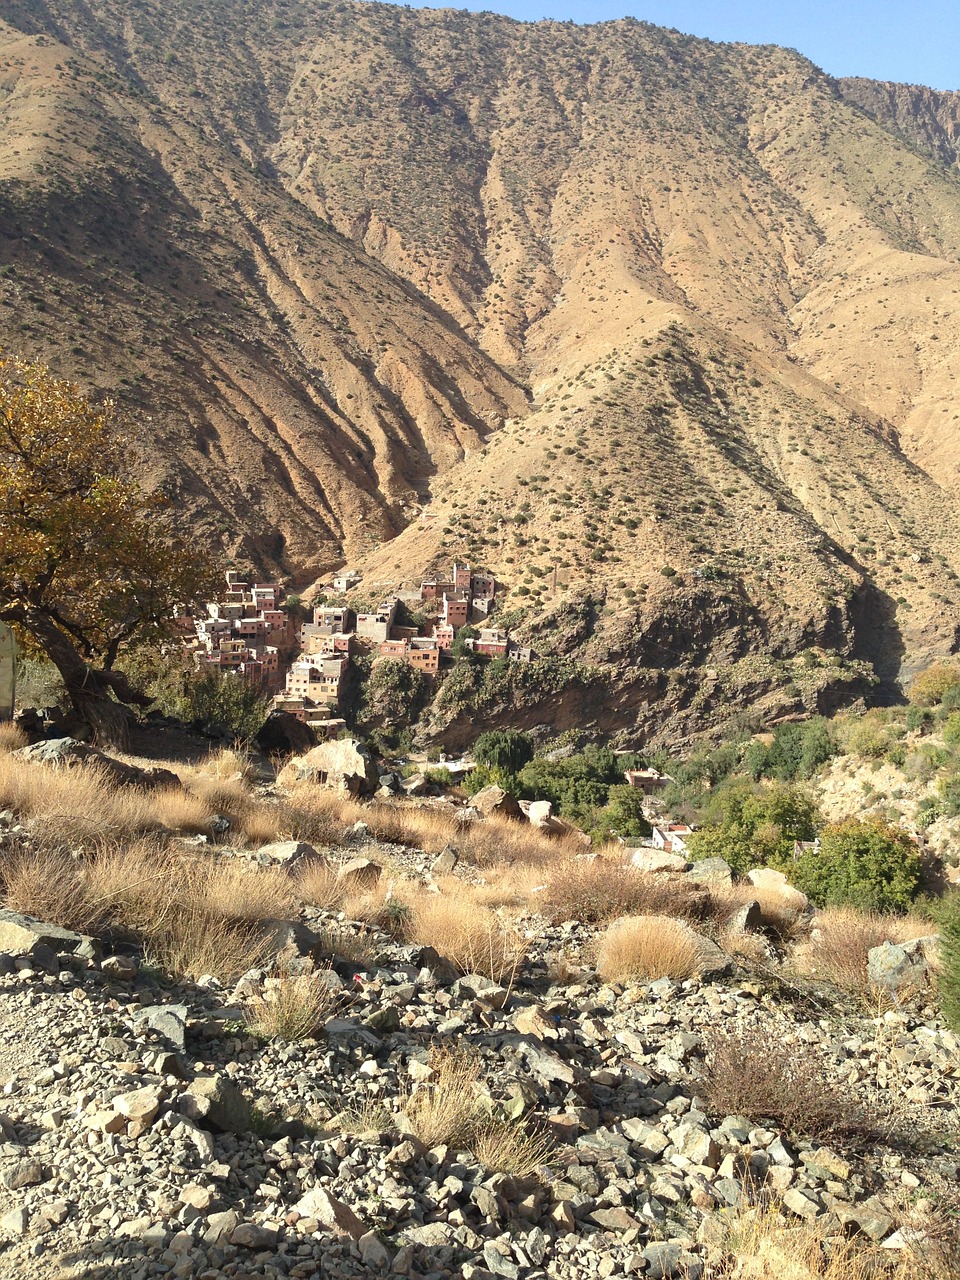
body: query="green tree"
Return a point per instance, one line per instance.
(505, 749)
(622, 815)
(863, 862)
(89, 563)
(753, 826)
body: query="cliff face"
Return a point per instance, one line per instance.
(636, 319)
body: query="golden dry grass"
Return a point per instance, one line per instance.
(180, 810)
(193, 915)
(318, 884)
(12, 737)
(768, 1243)
(473, 938)
(72, 806)
(842, 937)
(647, 947)
(785, 922)
(510, 1147)
(598, 888)
(291, 1006)
(447, 1108)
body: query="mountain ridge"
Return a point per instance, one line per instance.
(455, 252)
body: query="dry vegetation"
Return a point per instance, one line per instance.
(291, 1006)
(765, 1242)
(843, 937)
(752, 1072)
(648, 947)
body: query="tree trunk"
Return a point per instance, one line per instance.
(97, 696)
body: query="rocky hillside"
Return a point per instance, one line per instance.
(345, 241)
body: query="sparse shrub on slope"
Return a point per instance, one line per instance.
(751, 1072)
(934, 684)
(861, 862)
(948, 983)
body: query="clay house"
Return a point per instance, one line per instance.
(455, 610)
(520, 652)
(649, 781)
(671, 837)
(492, 643)
(424, 655)
(376, 626)
(481, 607)
(393, 649)
(435, 588)
(316, 678)
(252, 630)
(483, 585)
(266, 595)
(346, 581)
(462, 574)
(443, 634)
(229, 612)
(334, 617)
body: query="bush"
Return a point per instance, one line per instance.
(861, 862)
(934, 684)
(648, 947)
(751, 1072)
(750, 826)
(211, 698)
(507, 750)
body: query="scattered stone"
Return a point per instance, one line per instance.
(494, 800)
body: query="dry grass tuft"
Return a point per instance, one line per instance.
(509, 1147)
(193, 915)
(785, 923)
(751, 1072)
(317, 815)
(473, 938)
(48, 885)
(767, 1243)
(648, 947)
(318, 884)
(842, 938)
(596, 889)
(179, 810)
(72, 806)
(447, 1107)
(12, 737)
(291, 1006)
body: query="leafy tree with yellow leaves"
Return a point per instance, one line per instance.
(89, 562)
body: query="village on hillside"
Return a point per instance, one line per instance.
(248, 634)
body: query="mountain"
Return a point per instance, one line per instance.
(662, 331)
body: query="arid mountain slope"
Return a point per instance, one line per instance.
(340, 238)
(287, 389)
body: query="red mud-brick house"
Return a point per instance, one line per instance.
(649, 781)
(443, 634)
(455, 610)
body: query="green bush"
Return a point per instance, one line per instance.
(931, 686)
(754, 826)
(622, 815)
(212, 699)
(862, 862)
(951, 730)
(505, 749)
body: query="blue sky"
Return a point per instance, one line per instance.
(917, 43)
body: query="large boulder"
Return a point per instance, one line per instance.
(654, 860)
(345, 764)
(494, 800)
(21, 935)
(895, 965)
(283, 734)
(775, 884)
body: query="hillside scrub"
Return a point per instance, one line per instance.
(862, 862)
(751, 825)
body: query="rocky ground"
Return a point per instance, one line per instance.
(147, 1132)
